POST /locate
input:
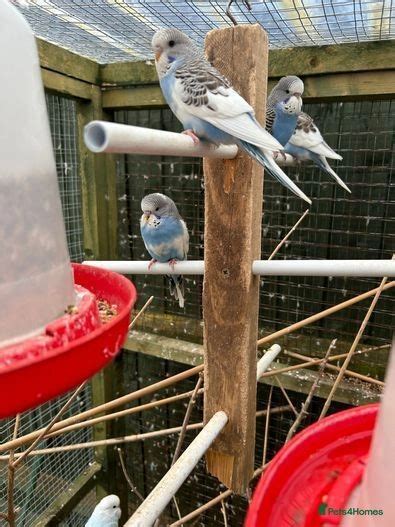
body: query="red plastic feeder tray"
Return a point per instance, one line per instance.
(70, 349)
(316, 471)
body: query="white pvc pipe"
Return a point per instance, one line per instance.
(377, 268)
(167, 487)
(101, 136)
(371, 268)
(265, 361)
(194, 267)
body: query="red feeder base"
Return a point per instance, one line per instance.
(70, 349)
(317, 470)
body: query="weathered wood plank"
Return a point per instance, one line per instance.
(378, 84)
(303, 61)
(140, 97)
(315, 60)
(362, 85)
(299, 381)
(66, 62)
(64, 85)
(233, 208)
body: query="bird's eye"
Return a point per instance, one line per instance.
(157, 208)
(286, 91)
(171, 43)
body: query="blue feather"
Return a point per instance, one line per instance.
(284, 125)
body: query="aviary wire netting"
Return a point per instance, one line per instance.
(339, 226)
(42, 479)
(121, 30)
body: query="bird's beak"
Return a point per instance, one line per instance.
(298, 95)
(158, 53)
(147, 214)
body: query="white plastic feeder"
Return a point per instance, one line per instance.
(36, 282)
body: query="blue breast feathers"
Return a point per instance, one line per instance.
(284, 126)
(166, 241)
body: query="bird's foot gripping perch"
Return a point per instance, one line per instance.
(192, 135)
(152, 262)
(173, 262)
(278, 153)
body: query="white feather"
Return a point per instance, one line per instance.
(230, 113)
(314, 142)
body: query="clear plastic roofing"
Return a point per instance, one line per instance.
(121, 30)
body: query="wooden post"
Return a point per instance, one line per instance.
(233, 212)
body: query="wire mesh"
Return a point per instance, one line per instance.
(81, 513)
(41, 479)
(119, 30)
(339, 226)
(62, 114)
(148, 461)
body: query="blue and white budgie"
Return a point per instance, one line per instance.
(206, 104)
(307, 144)
(106, 514)
(283, 107)
(165, 236)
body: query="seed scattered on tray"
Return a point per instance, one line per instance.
(106, 311)
(71, 310)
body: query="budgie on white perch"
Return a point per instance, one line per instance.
(107, 513)
(208, 107)
(296, 130)
(165, 236)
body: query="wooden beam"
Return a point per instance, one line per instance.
(299, 381)
(64, 85)
(233, 201)
(345, 58)
(129, 73)
(345, 86)
(137, 98)
(67, 63)
(303, 61)
(350, 86)
(69, 498)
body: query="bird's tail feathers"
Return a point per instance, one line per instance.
(274, 170)
(327, 168)
(176, 285)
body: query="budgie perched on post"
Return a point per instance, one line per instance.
(206, 104)
(165, 236)
(106, 514)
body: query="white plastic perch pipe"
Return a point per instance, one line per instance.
(265, 361)
(372, 268)
(161, 495)
(101, 136)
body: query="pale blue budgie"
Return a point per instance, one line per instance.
(165, 236)
(307, 144)
(106, 514)
(207, 106)
(283, 107)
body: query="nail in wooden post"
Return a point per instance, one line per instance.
(233, 209)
